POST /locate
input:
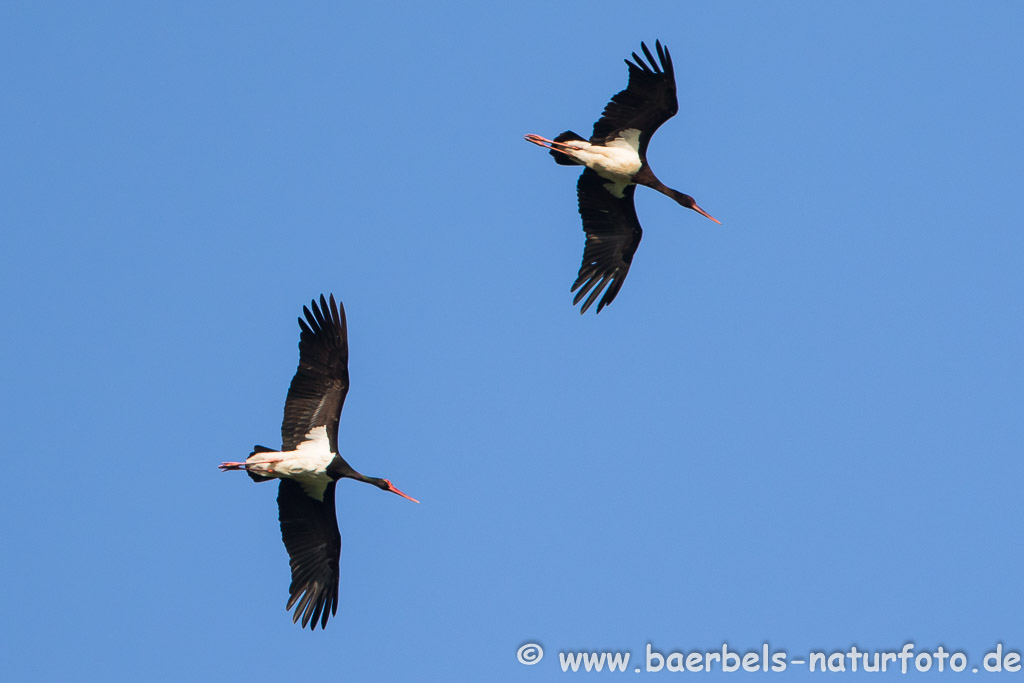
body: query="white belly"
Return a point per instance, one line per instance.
(618, 160)
(307, 464)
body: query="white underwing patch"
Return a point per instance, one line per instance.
(627, 138)
(618, 190)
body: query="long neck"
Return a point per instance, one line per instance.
(339, 469)
(663, 188)
(680, 197)
(645, 176)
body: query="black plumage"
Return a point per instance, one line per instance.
(605, 191)
(613, 234)
(309, 528)
(317, 392)
(309, 465)
(648, 101)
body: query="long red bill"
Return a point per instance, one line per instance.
(704, 213)
(391, 487)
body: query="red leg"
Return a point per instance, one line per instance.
(550, 144)
(225, 466)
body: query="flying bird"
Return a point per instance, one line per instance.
(309, 465)
(616, 162)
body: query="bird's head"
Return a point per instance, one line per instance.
(386, 485)
(687, 201)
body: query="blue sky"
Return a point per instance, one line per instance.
(802, 427)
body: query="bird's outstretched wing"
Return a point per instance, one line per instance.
(613, 234)
(309, 529)
(318, 390)
(648, 101)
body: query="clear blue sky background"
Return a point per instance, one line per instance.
(802, 427)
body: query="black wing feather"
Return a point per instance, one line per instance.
(613, 234)
(648, 101)
(310, 532)
(318, 390)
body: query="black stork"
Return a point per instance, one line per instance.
(616, 161)
(309, 465)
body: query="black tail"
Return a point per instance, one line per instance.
(562, 158)
(252, 475)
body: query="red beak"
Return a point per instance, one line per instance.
(391, 487)
(704, 213)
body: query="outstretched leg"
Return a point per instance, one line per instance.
(550, 144)
(226, 466)
(565, 148)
